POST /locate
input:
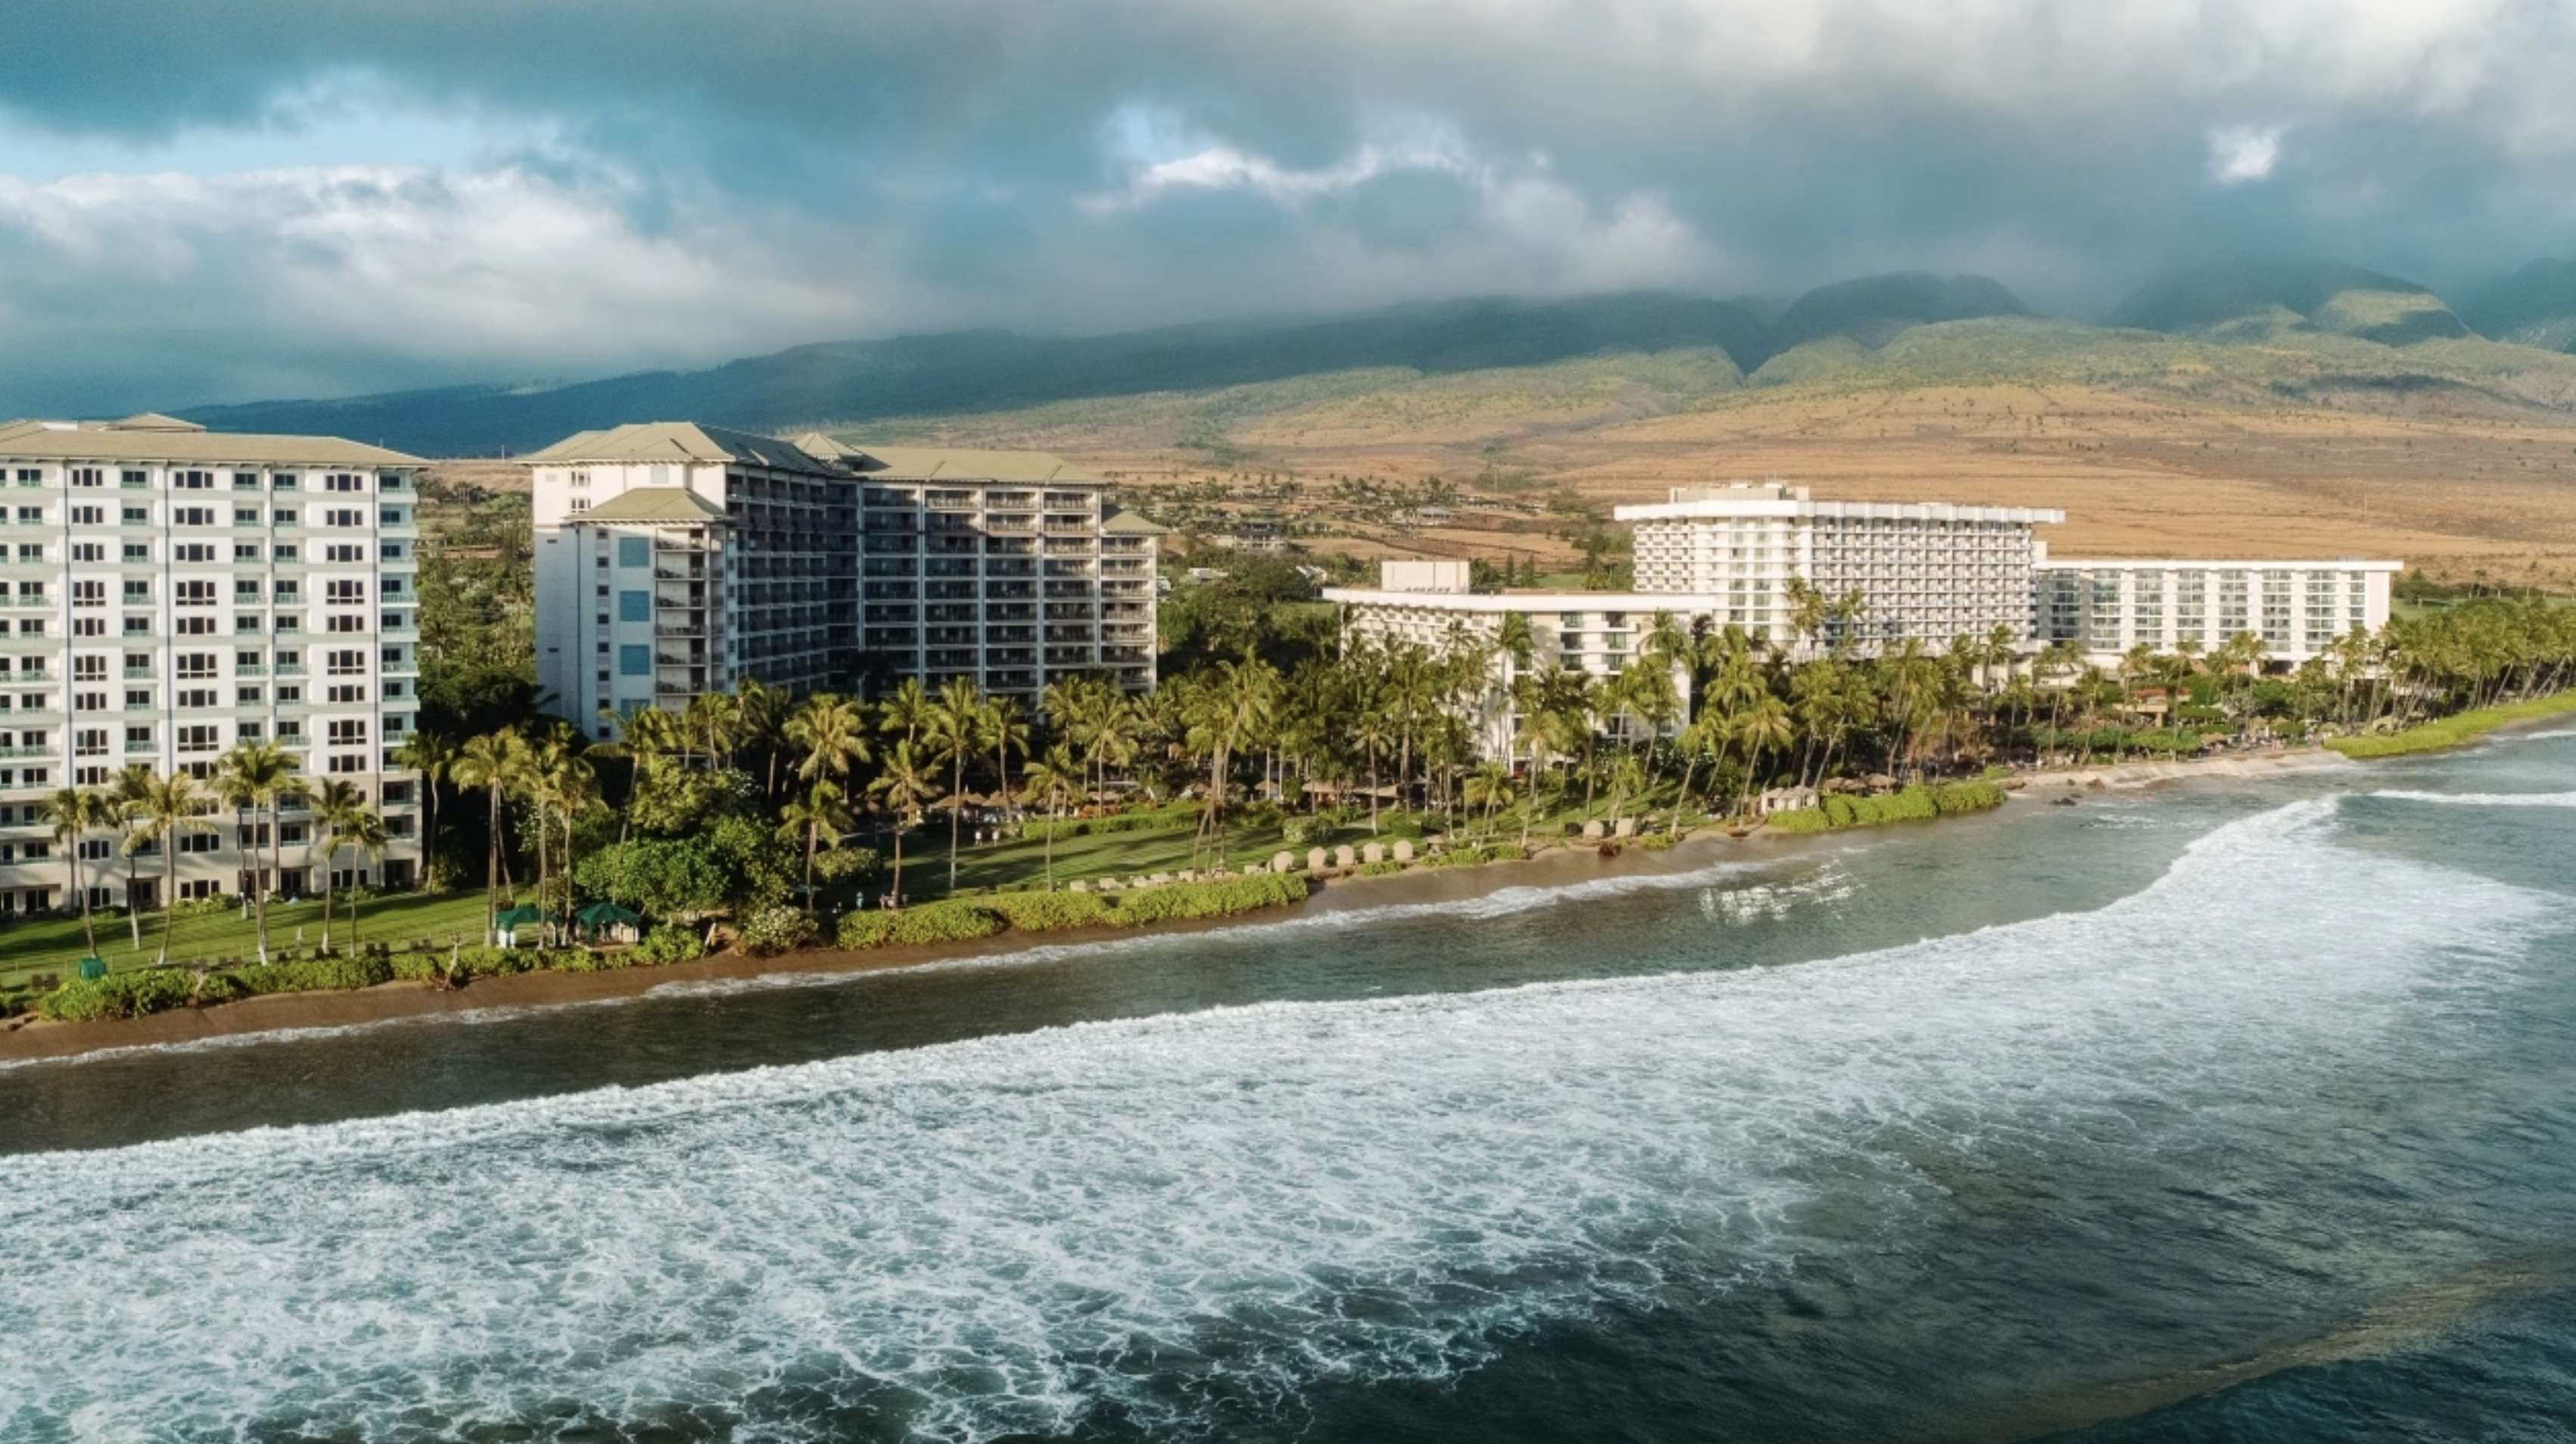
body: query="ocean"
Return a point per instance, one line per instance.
(2240, 1111)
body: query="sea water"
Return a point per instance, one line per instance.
(2239, 1112)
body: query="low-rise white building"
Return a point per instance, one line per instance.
(2297, 609)
(1599, 634)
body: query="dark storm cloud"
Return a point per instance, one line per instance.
(204, 201)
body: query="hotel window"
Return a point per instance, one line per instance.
(81, 552)
(197, 737)
(245, 481)
(348, 732)
(89, 594)
(192, 516)
(192, 552)
(196, 593)
(344, 552)
(344, 592)
(190, 480)
(344, 663)
(285, 483)
(82, 476)
(138, 551)
(81, 515)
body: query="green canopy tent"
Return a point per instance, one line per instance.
(606, 914)
(525, 915)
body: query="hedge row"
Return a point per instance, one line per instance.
(952, 922)
(1147, 820)
(1470, 856)
(158, 990)
(1912, 804)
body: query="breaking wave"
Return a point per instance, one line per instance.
(1180, 1221)
(2481, 799)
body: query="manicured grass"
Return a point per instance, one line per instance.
(2453, 730)
(55, 945)
(1022, 861)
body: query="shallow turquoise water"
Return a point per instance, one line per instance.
(2235, 1113)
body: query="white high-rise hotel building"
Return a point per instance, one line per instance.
(170, 592)
(675, 559)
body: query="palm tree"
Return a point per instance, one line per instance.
(170, 807)
(335, 808)
(255, 775)
(955, 731)
(832, 732)
(1052, 780)
(820, 808)
(906, 782)
(427, 753)
(74, 812)
(493, 762)
(1489, 787)
(133, 782)
(906, 709)
(1006, 730)
(364, 831)
(760, 719)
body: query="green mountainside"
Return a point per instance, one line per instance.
(2259, 297)
(2319, 332)
(2535, 306)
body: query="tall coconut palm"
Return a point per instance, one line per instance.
(906, 709)
(1006, 730)
(832, 732)
(821, 808)
(336, 807)
(170, 808)
(250, 777)
(493, 763)
(760, 720)
(74, 813)
(905, 781)
(364, 831)
(1052, 781)
(955, 732)
(133, 784)
(427, 753)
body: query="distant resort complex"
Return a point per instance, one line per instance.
(1810, 577)
(175, 595)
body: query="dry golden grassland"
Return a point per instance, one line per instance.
(2458, 490)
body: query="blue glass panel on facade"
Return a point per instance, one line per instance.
(634, 551)
(634, 661)
(634, 606)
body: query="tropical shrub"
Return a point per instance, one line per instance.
(313, 975)
(939, 922)
(132, 995)
(1043, 912)
(774, 930)
(1380, 868)
(1802, 819)
(1175, 901)
(670, 945)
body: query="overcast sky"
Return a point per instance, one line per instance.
(209, 202)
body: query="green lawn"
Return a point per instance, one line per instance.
(2453, 730)
(55, 945)
(1022, 861)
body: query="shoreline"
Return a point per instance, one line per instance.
(35, 1040)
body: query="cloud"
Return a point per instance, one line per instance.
(331, 195)
(2240, 153)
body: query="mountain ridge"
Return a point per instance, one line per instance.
(2316, 308)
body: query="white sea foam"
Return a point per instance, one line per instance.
(1003, 1234)
(2481, 799)
(1285, 932)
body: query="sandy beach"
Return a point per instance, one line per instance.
(28, 1039)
